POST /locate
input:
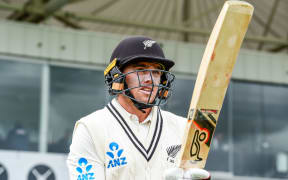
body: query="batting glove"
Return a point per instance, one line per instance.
(190, 174)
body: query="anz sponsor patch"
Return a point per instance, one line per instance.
(84, 170)
(116, 156)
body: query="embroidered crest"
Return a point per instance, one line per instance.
(148, 43)
(172, 152)
(117, 158)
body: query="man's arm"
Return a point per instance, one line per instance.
(83, 160)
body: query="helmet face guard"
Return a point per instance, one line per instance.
(133, 50)
(159, 91)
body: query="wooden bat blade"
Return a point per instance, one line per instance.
(212, 81)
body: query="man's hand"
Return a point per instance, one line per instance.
(190, 174)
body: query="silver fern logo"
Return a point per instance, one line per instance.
(172, 152)
(148, 43)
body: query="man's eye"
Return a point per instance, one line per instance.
(156, 72)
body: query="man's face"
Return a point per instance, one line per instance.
(146, 80)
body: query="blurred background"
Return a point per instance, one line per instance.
(52, 57)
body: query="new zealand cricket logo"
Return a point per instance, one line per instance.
(172, 152)
(205, 124)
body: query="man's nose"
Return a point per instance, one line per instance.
(147, 77)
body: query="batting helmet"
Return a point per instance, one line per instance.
(135, 49)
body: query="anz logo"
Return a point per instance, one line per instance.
(84, 170)
(116, 156)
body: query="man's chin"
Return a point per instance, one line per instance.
(144, 101)
(144, 98)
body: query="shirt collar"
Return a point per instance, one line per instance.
(132, 117)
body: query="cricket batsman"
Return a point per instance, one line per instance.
(132, 138)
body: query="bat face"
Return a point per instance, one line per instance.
(212, 81)
(204, 124)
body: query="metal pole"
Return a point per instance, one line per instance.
(269, 22)
(44, 108)
(230, 129)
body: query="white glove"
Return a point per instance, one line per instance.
(190, 174)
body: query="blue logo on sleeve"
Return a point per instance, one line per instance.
(116, 156)
(84, 170)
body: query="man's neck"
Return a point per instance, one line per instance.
(129, 106)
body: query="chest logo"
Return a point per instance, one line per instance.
(84, 170)
(172, 152)
(116, 156)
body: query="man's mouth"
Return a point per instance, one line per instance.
(146, 89)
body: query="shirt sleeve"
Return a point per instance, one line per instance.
(83, 162)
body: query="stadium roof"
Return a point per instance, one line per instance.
(181, 20)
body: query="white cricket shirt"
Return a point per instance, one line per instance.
(111, 144)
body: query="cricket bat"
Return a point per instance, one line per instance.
(212, 81)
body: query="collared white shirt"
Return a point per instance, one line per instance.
(111, 144)
(140, 129)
